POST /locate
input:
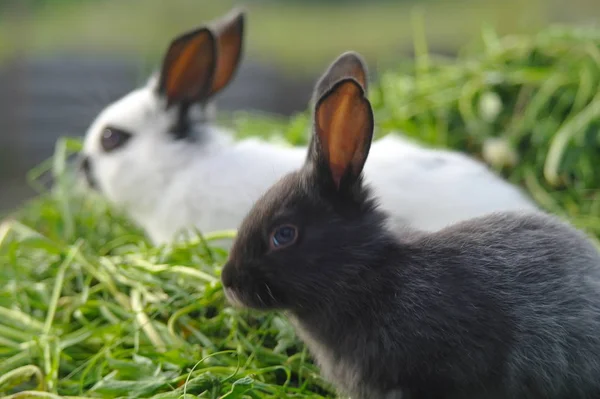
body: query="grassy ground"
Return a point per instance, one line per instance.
(88, 308)
(313, 33)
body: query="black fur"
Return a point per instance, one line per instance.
(348, 65)
(502, 306)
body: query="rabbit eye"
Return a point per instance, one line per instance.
(283, 236)
(112, 138)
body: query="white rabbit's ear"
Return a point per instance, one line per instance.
(348, 65)
(229, 32)
(188, 68)
(343, 131)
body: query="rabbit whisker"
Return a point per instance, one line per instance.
(269, 291)
(260, 300)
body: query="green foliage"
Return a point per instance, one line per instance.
(88, 308)
(335, 2)
(534, 99)
(315, 31)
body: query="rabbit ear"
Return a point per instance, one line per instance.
(343, 123)
(230, 40)
(188, 68)
(348, 65)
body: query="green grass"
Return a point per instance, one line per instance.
(88, 308)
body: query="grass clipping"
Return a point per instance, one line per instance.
(88, 308)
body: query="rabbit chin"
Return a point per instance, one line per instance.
(233, 298)
(252, 299)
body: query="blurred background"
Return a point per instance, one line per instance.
(62, 61)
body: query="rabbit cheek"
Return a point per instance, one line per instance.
(261, 290)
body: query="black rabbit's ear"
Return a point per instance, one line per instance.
(188, 68)
(343, 123)
(229, 32)
(348, 65)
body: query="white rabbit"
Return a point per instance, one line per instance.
(157, 154)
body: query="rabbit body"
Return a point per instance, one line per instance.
(490, 308)
(210, 181)
(157, 154)
(501, 306)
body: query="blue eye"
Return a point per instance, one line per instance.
(283, 236)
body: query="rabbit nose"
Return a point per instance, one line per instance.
(227, 275)
(84, 164)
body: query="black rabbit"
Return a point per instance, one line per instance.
(501, 306)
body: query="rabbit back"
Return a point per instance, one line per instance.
(451, 186)
(489, 308)
(543, 277)
(217, 190)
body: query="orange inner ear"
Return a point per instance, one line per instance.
(190, 67)
(343, 125)
(230, 48)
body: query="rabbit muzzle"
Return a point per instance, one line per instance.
(228, 279)
(233, 297)
(246, 287)
(85, 168)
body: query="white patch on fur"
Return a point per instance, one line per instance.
(169, 185)
(233, 298)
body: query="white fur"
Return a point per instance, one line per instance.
(168, 185)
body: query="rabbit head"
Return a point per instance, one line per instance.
(137, 144)
(308, 229)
